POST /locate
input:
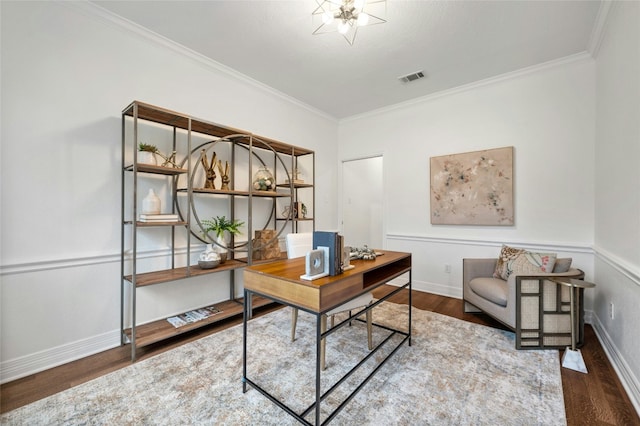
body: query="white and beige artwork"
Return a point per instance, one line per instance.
(473, 188)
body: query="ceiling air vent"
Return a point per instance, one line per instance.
(412, 77)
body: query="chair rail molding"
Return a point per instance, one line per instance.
(51, 264)
(630, 271)
(563, 247)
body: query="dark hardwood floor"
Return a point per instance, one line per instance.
(597, 398)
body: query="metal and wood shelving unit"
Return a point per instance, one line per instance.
(300, 192)
(189, 136)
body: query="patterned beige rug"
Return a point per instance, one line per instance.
(455, 373)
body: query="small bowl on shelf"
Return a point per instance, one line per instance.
(208, 264)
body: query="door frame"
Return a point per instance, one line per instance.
(341, 194)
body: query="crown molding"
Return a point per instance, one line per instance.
(598, 33)
(578, 57)
(116, 21)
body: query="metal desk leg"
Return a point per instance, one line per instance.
(245, 316)
(319, 353)
(410, 305)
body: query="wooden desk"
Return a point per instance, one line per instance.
(281, 282)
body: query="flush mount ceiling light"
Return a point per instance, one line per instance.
(345, 16)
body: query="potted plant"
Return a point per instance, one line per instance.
(147, 154)
(218, 225)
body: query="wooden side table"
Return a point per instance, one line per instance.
(572, 357)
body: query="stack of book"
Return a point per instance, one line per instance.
(159, 218)
(335, 243)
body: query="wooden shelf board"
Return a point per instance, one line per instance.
(149, 168)
(147, 224)
(157, 277)
(295, 219)
(156, 331)
(295, 185)
(268, 194)
(182, 121)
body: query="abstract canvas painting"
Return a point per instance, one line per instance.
(473, 188)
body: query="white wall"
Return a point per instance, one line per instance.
(68, 69)
(617, 193)
(546, 114)
(575, 126)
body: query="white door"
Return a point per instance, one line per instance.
(362, 197)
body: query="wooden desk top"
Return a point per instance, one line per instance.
(281, 281)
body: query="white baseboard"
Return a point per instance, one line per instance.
(439, 289)
(630, 383)
(434, 288)
(33, 363)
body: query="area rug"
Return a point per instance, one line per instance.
(454, 373)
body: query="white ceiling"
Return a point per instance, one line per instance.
(454, 42)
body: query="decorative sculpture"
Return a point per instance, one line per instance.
(295, 177)
(224, 175)
(168, 161)
(209, 169)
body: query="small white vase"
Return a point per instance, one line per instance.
(146, 157)
(151, 203)
(221, 247)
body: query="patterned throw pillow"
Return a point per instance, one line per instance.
(506, 254)
(523, 262)
(531, 263)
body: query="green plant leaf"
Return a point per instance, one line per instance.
(219, 224)
(147, 147)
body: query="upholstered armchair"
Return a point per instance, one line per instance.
(533, 306)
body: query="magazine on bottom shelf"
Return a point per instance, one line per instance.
(193, 316)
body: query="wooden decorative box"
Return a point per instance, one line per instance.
(267, 245)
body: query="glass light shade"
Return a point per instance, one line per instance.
(327, 18)
(346, 16)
